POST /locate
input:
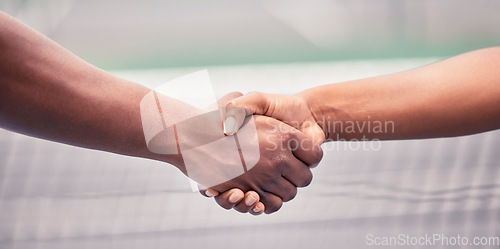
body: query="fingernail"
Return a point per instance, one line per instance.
(230, 125)
(233, 198)
(256, 209)
(210, 193)
(250, 200)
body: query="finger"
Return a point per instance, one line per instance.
(281, 188)
(210, 193)
(258, 209)
(238, 108)
(233, 119)
(297, 173)
(304, 148)
(272, 202)
(207, 192)
(249, 201)
(229, 198)
(222, 102)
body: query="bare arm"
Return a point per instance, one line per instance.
(47, 92)
(457, 96)
(454, 97)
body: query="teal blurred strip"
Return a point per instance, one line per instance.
(284, 54)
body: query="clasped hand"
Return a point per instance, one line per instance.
(289, 142)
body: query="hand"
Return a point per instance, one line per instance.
(280, 170)
(291, 109)
(241, 202)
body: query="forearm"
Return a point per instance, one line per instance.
(47, 92)
(458, 96)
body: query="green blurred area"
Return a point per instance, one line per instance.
(264, 55)
(116, 34)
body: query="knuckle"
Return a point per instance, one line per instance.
(278, 165)
(273, 207)
(290, 195)
(280, 160)
(307, 179)
(317, 156)
(228, 99)
(289, 140)
(236, 93)
(259, 97)
(256, 94)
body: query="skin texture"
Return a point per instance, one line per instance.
(455, 97)
(49, 93)
(280, 170)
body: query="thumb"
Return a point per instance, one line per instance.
(237, 110)
(228, 97)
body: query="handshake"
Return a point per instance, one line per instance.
(289, 140)
(413, 104)
(261, 144)
(49, 93)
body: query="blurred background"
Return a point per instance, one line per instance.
(152, 33)
(58, 196)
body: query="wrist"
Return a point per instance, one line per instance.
(311, 100)
(329, 107)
